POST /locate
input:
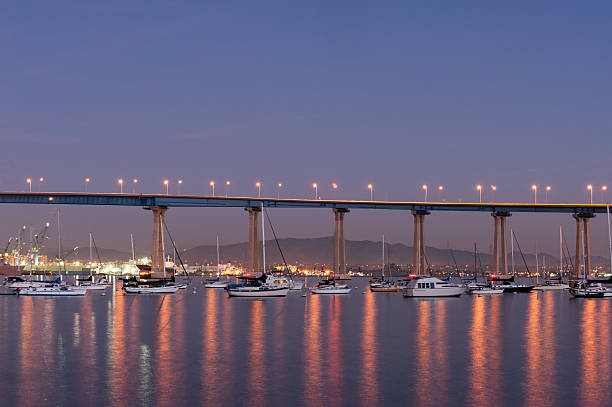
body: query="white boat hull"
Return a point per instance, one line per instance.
(52, 292)
(216, 284)
(258, 292)
(91, 287)
(486, 291)
(296, 285)
(151, 290)
(433, 292)
(551, 287)
(334, 290)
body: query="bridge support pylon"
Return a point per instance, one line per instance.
(500, 233)
(583, 242)
(419, 258)
(253, 246)
(339, 241)
(157, 248)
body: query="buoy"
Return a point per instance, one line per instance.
(303, 295)
(103, 294)
(363, 292)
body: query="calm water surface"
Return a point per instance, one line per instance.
(538, 349)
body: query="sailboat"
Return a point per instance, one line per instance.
(509, 285)
(216, 282)
(383, 285)
(152, 286)
(264, 286)
(584, 288)
(89, 284)
(555, 283)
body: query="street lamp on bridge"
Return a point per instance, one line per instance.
(590, 189)
(316, 188)
(166, 183)
(548, 188)
(258, 185)
(120, 182)
(425, 189)
(29, 183)
(371, 188)
(479, 188)
(535, 193)
(212, 184)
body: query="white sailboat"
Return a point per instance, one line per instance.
(551, 284)
(583, 288)
(216, 282)
(264, 286)
(53, 290)
(383, 285)
(90, 284)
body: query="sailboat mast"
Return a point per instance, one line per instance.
(163, 245)
(537, 262)
(583, 258)
(218, 262)
(59, 237)
(263, 238)
(560, 250)
(90, 255)
(383, 256)
(609, 235)
(132, 243)
(512, 250)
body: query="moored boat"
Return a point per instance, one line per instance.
(54, 290)
(432, 287)
(330, 286)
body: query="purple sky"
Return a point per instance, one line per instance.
(398, 95)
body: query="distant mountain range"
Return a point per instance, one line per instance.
(320, 251)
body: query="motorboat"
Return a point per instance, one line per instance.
(589, 290)
(432, 287)
(330, 286)
(16, 283)
(91, 286)
(55, 290)
(263, 286)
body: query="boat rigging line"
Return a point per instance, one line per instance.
(267, 215)
(177, 253)
(521, 252)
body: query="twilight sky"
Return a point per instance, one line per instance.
(397, 94)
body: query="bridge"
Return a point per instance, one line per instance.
(159, 203)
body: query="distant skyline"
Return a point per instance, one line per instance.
(396, 95)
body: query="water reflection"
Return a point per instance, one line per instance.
(334, 352)
(210, 357)
(369, 391)
(256, 379)
(28, 392)
(431, 346)
(541, 349)
(594, 351)
(116, 366)
(485, 377)
(314, 385)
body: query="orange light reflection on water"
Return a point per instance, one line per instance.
(314, 386)
(256, 377)
(369, 387)
(485, 376)
(594, 351)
